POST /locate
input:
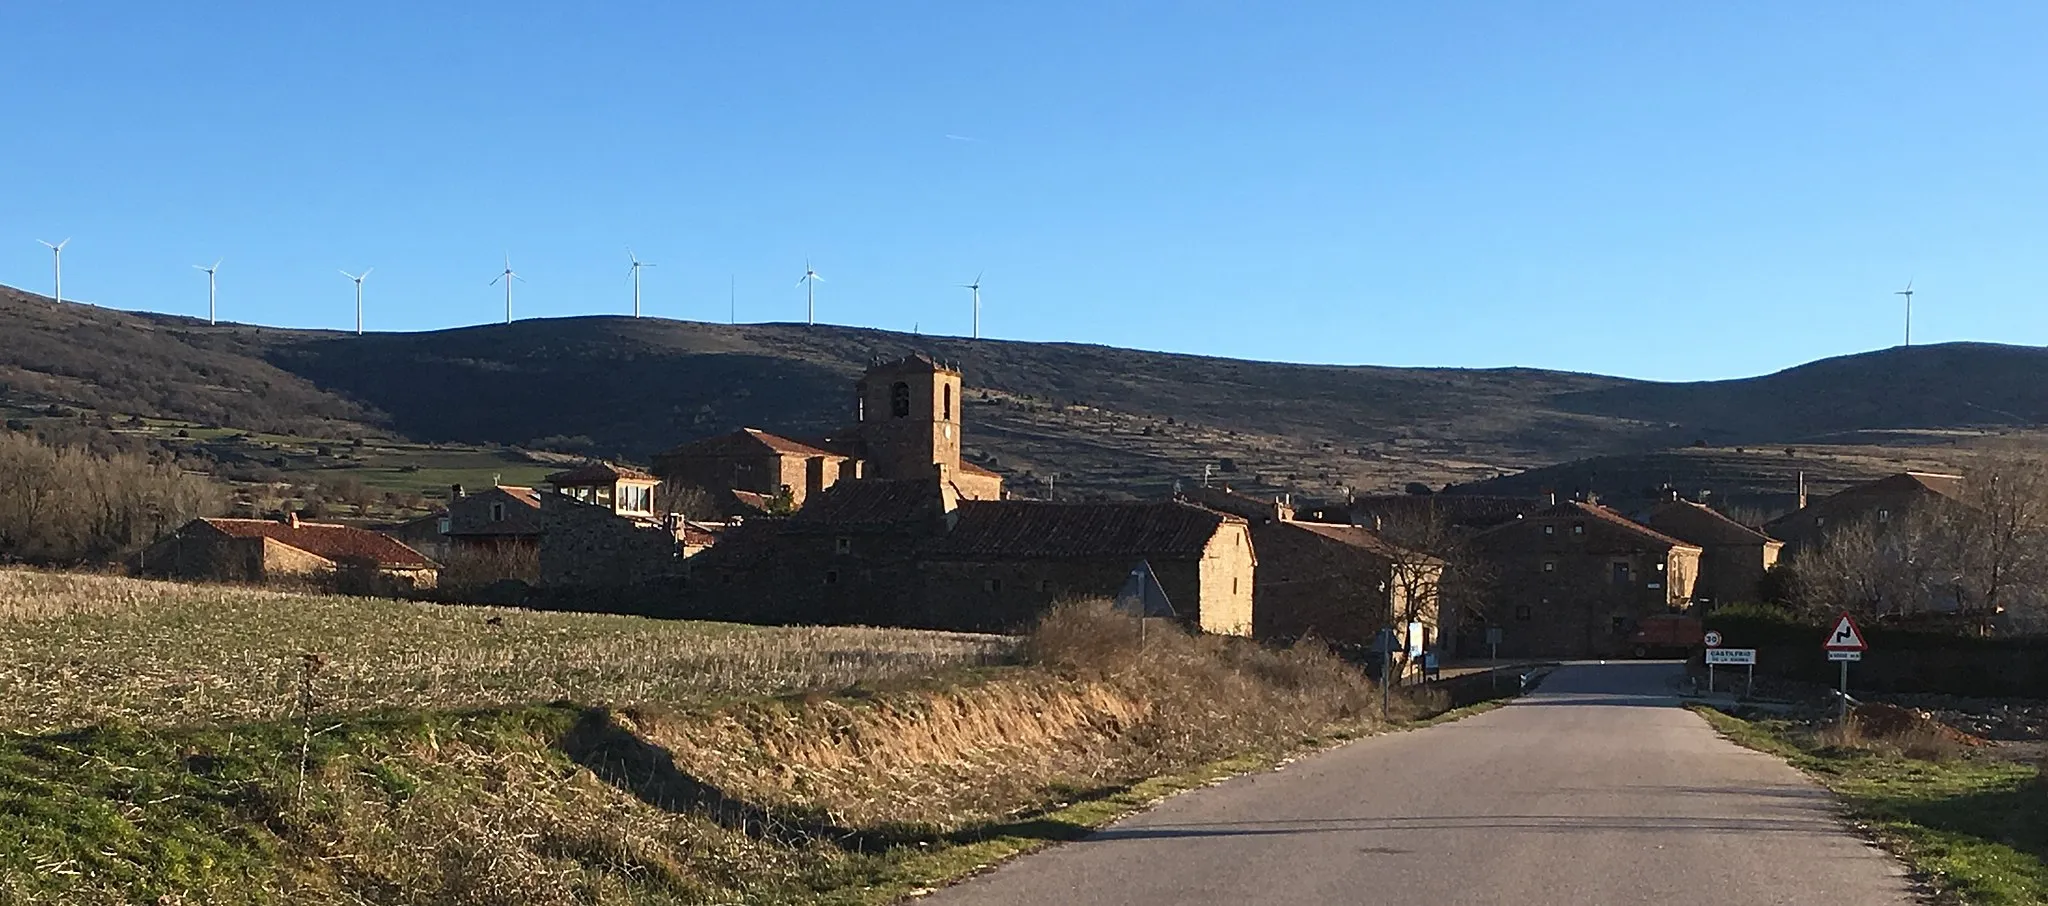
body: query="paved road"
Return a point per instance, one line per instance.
(1598, 789)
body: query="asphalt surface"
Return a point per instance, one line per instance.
(1597, 789)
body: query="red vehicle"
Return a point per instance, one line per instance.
(1668, 635)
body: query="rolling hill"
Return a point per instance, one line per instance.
(1098, 418)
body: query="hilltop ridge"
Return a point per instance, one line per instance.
(1097, 416)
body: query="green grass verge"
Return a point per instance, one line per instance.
(1975, 828)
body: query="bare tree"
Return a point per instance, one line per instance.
(1436, 565)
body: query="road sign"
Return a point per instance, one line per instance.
(1845, 656)
(1846, 637)
(1713, 639)
(1493, 635)
(1735, 656)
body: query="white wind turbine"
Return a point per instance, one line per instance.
(57, 266)
(508, 276)
(634, 272)
(358, 278)
(975, 287)
(210, 271)
(810, 303)
(1908, 293)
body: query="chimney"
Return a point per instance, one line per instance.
(455, 492)
(1378, 524)
(291, 518)
(1802, 489)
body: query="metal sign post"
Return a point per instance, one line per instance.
(1845, 644)
(1713, 641)
(1493, 634)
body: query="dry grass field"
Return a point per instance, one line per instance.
(78, 650)
(154, 747)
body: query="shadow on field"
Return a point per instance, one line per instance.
(621, 758)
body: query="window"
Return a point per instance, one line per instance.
(899, 400)
(1578, 528)
(1233, 585)
(1550, 530)
(831, 577)
(948, 412)
(1884, 515)
(1550, 566)
(1045, 585)
(497, 512)
(842, 545)
(992, 585)
(1522, 614)
(1621, 574)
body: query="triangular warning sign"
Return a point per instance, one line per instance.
(1846, 637)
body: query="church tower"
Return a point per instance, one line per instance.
(910, 418)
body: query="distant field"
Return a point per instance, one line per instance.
(80, 649)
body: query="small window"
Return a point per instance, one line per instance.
(831, 577)
(992, 585)
(948, 412)
(1578, 528)
(497, 512)
(842, 545)
(899, 400)
(1621, 574)
(1884, 515)
(1233, 585)
(1550, 566)
(1820, 520)
(1550, 530)
(1522, 614)
(1044, 585)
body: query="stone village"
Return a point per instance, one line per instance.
(884, 523)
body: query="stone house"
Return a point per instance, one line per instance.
(914, 553)
(908, 421)
(1338, 583)
(1879, 501)
(598, 529)
(1733, 558)
(499, 518)
(754, 462)
(1575, 579)
(285, 550)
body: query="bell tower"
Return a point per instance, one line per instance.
(910, 417)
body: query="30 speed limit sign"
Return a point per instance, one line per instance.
(1713, 639)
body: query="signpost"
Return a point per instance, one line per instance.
(1713, 641)
(1493, 634)
(1143, 597)
(1733, 657)
(1386, 641)
(1845, 644)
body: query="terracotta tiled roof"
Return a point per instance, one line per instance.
(1699, 524)
(1619, 521)
(968, 468)
(916, 361)
(1033, 529)
(338, 543)
(870, 503)
(1361, 537)
(751, 500)
(1945, 485)
(744, 442)
(527, 496)
(596, 473)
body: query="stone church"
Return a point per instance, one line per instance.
(908, 426)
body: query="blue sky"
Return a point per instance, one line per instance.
(1655, 190)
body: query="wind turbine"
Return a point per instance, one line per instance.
(209, 286)
(508, 276)
(57, 265)
(976, 288)
(358, 278)
(635, 273)
(1908, 293)
(810, 303)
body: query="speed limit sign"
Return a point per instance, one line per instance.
(1713, 639)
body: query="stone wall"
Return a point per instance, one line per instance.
(1226, 576)
(1732, 573)
(588, 546)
